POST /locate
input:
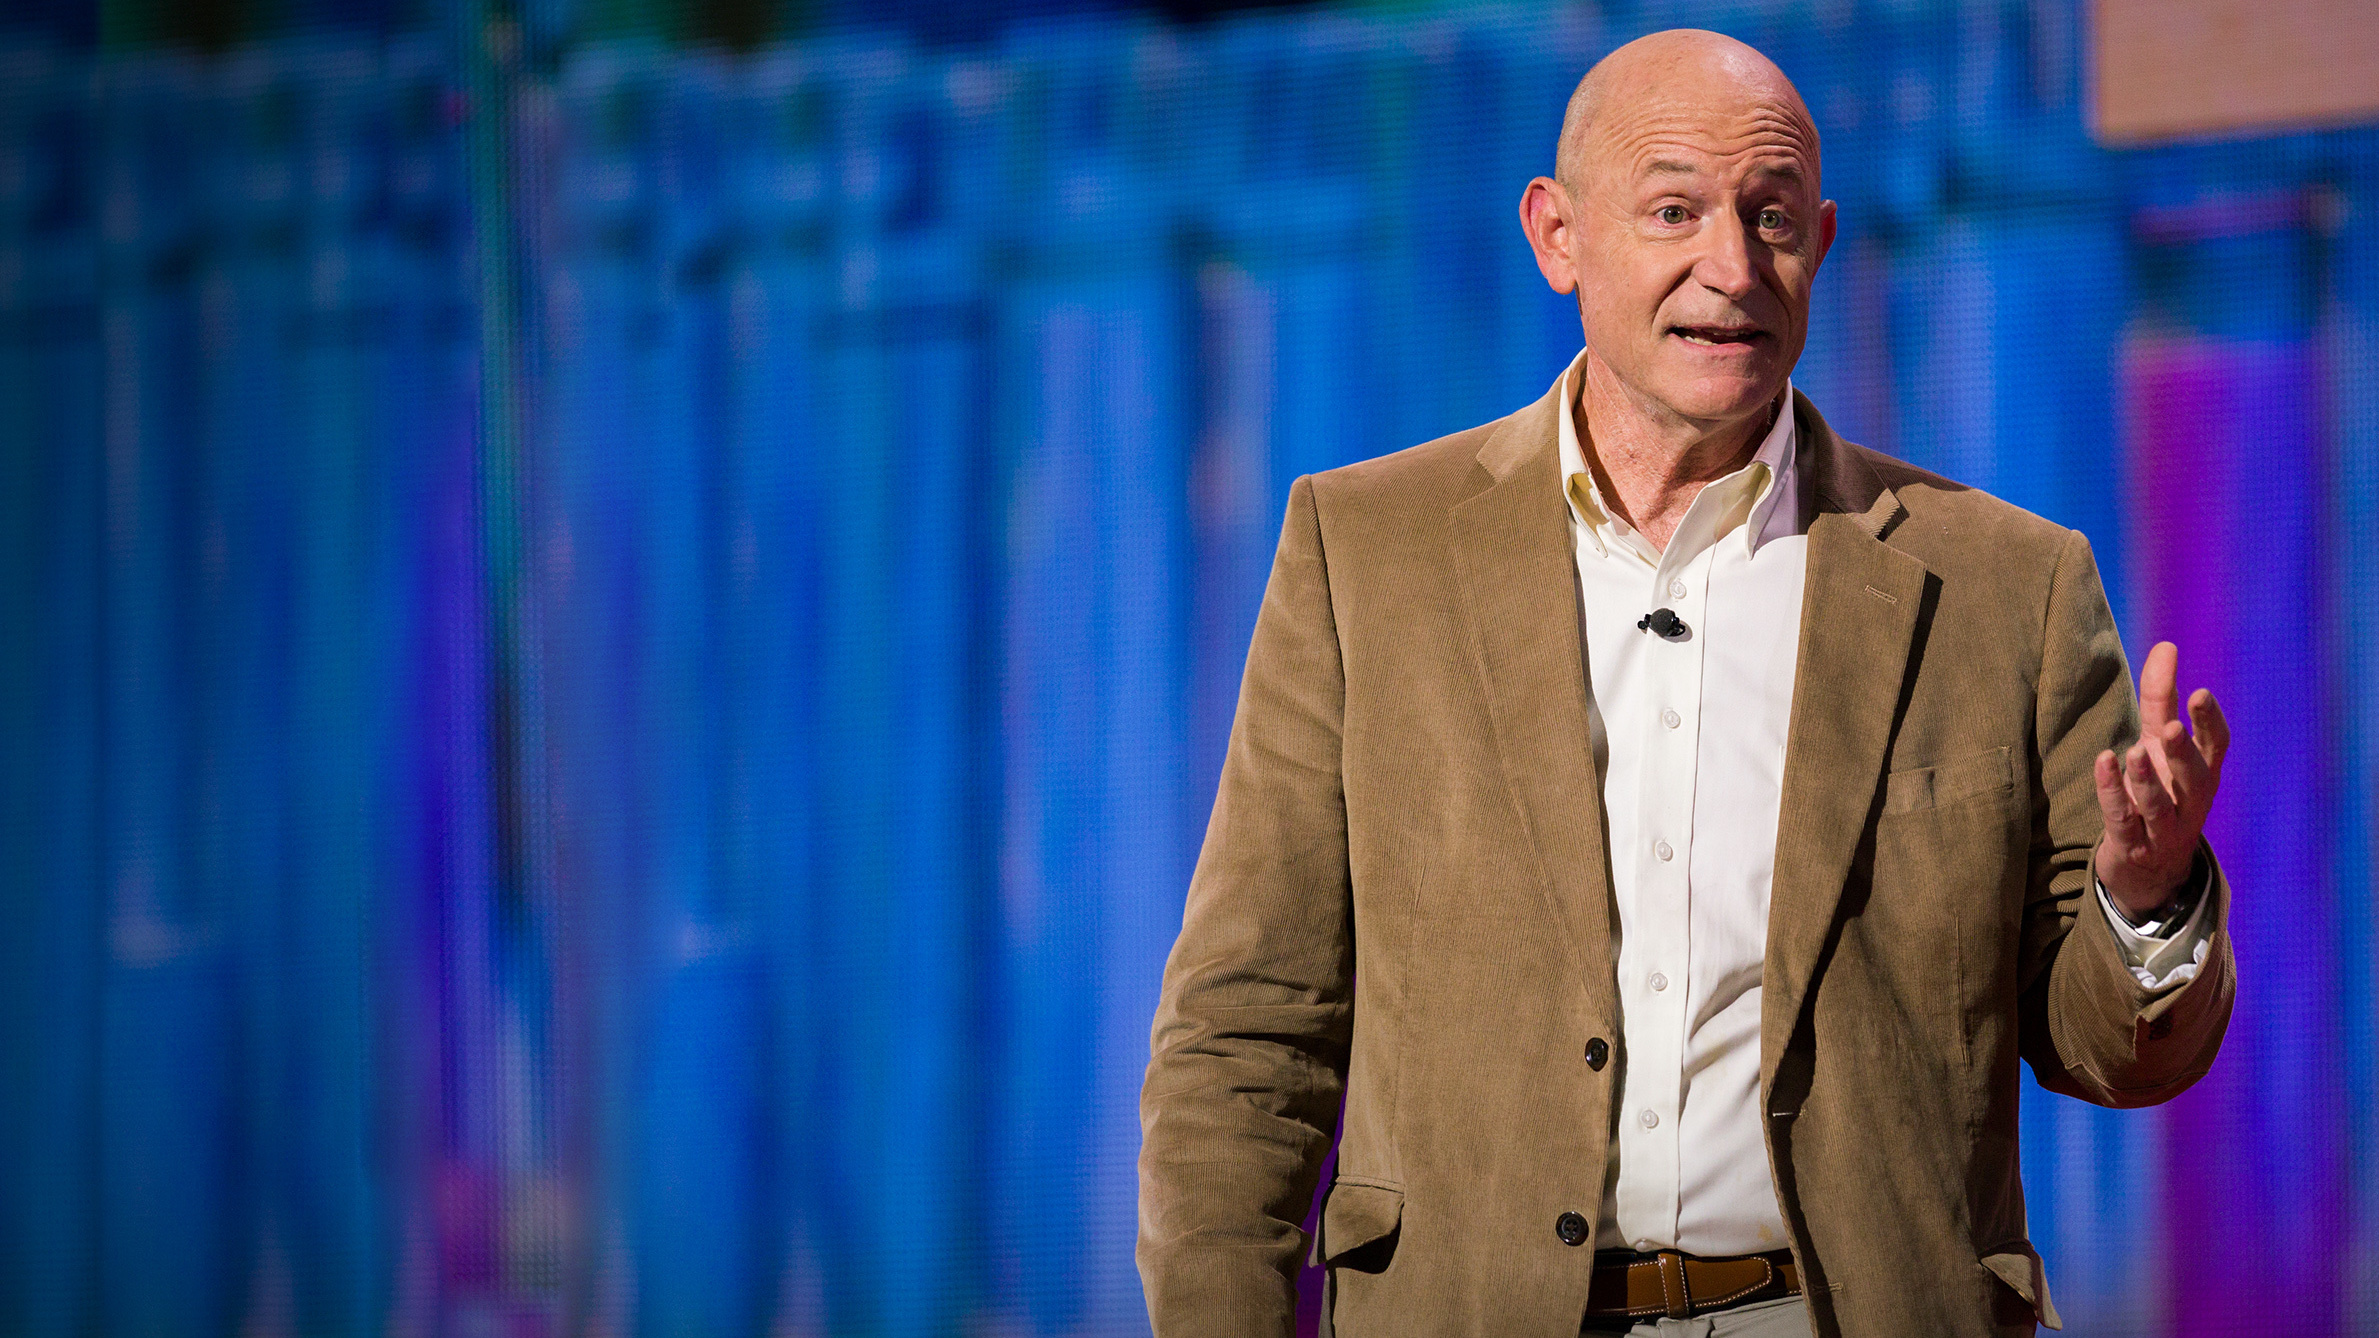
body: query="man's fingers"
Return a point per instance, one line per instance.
(2183, 768)
(2159, 686)
(2153, 740)
(2147, 794)
(2212, 730)
(2114, 804)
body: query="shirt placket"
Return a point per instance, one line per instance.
(1660, 956)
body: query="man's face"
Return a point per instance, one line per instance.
(1696, 231)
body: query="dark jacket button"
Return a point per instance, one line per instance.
(1598, 1053)
(1571, 1228)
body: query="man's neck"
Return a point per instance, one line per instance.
(1649, 464)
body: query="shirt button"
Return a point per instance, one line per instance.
(1662, 849)
(1676, 588)
(1650, 1119)
(1659, 982)
(1671, 719)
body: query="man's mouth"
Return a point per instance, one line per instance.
(1714, 336)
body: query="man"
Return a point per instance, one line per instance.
(1665, 825)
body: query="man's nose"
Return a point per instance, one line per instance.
(1725, 263)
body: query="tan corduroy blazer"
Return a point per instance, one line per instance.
(1404, 902)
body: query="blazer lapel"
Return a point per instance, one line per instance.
(1510, 549)
(1859, 615)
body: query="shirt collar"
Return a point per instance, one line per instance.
(1771, 478)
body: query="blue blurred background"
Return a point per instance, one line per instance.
(621, 616)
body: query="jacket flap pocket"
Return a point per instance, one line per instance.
(1355, 1215)
(1920, 788)
(2020, 1268)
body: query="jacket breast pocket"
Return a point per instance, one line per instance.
(1948, 883)
(1941, 923)
(1920, 788)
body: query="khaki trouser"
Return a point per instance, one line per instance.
(1784, 1317)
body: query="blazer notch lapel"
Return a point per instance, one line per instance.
(1861, 614)
(1510, 550)
(1877, 520)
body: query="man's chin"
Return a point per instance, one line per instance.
(1722, 400)
(1694, 390)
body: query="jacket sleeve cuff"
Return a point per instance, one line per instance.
(2165, 954)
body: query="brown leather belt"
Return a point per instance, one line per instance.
(1675, 1285)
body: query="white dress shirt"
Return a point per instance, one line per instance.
(1689, 737)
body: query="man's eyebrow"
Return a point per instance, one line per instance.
(1670, 167)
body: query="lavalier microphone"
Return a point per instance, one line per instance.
(1663, 623)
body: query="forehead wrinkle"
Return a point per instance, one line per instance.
(1750, 159)
(1646, 148)
(1701, 131)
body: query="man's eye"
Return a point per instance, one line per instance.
(1672, 214)
(1771, 220)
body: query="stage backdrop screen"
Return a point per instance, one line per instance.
(620, 617)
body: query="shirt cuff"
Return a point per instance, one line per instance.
(2163, 954)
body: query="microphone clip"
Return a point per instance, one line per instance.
(1663, 623)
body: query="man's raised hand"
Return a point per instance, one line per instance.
(2156, 794)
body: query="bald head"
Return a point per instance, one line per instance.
(1687, 219)
(1671, 73)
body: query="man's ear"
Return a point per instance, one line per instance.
(1545, 212)
(1827, 219)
